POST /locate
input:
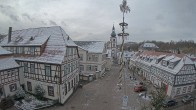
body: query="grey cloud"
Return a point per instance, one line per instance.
(52, 22)
(27, 16)
(9, 11)
(44, 23)
(63, 23)
(159, 17)
(14, 17)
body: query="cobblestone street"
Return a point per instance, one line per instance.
(102, 94)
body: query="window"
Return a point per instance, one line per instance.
(178, 91)
(184, 90)
(50, 90)
(89, 67)
(22, 50)
(95, 67)
(81, 57)
(48, 70)
(89, 58)
(29, 86)
(32, 68)
(72, 67)
(25, 67)
(113, 39)
(171, 65)
(81, 67)
(9, 73)
(1, 91)
(65, 88)
(17, 50)
(189, 89)
(69, 86)
(32, 50)
(13, 87)
(95, 57)
(68, 50)
(65, 69)
(72, 84)
(71, 51)
(164, 63)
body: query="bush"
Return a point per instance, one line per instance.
(20, 93)
(6, 103)
(39, 92)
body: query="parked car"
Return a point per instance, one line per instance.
(168, 103)
(187, 99)
(141, 83)
(139, 88)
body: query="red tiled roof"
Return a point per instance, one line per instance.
(154, 53)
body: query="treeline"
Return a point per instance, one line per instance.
(187, 46)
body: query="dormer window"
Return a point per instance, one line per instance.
(164, 63)
(157, 61)
(171, 65)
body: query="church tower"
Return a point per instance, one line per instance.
(113, 41)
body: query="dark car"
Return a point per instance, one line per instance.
(187, 99)
(139, 88)
(168, 103)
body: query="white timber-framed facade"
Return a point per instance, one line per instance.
(48, 57)
(176, 73)
(9, 74)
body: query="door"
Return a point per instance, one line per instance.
(1, 93)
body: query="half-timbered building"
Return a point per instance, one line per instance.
(48, 57)
(9, 74)
(174, 72)
(92, 58)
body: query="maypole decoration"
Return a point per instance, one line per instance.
(124, 9)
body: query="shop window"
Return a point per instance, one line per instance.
(178, 91)
(50, 90)
(189, 89)
(29, 86)
(1, 91)
(13, 87)
(184, 90)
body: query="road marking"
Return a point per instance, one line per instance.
(125, 100)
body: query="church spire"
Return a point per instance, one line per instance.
(113, 34)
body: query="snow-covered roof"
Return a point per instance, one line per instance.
(183, 59)
(167, 58)
(4, 52)
(56, 42)
(8, 63)
(187, 60)
(175, 59)
(92, 46)
(149, 45)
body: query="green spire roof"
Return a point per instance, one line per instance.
(113, 34)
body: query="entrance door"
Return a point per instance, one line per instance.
(1, 93)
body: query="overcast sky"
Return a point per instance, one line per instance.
(162, 20)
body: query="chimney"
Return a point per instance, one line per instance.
(9, 34)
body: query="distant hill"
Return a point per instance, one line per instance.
(187, 47)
